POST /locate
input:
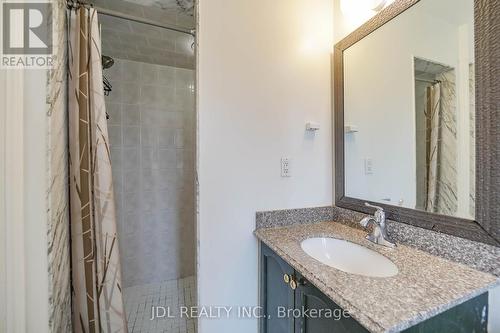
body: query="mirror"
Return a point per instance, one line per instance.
(409, 111)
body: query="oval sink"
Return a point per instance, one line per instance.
(349, 257)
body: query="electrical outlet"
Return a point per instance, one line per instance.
(286, 170)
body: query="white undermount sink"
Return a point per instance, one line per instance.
(349, 257)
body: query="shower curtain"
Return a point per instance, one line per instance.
(433, 118)
(441, 147)
(472, 115)
(96, 278)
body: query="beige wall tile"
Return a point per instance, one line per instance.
(152, 157)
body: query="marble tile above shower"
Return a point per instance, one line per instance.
(140, 42)
(152, 129)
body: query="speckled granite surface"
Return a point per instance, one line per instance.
(381, 304)
(281, 218)
(483, 257)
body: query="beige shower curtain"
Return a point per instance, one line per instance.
(441, 114)
(96, 277)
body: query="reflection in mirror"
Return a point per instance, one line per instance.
(436, 138)
(409, 111)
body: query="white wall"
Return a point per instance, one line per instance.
(264, 70)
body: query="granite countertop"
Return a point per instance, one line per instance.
(425, 286)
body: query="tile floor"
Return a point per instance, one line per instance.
(169, 296)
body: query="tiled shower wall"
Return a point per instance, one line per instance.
(152, 129)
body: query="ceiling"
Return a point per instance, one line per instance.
(130, 40)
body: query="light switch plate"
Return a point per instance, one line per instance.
(286, 167)
(368, 166)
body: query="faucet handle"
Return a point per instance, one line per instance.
(379, 214)
(373, 206)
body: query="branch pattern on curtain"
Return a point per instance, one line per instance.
(433, 117)
(441, 150)
(96, 273)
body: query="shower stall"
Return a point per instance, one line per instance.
(149, 81)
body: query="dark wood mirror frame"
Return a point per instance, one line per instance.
(486, 227)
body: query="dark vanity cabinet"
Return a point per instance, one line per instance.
(468, 317)
(323, 316)
(291, 304)
(275, 293)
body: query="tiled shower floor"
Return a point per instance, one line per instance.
(171, 294)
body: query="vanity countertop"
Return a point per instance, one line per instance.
(425, 286)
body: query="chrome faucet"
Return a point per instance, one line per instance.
(379, 233)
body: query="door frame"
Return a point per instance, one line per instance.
(13, 291)
(24, 274)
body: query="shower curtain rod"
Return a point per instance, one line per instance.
(109, 12)
(113, 13)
